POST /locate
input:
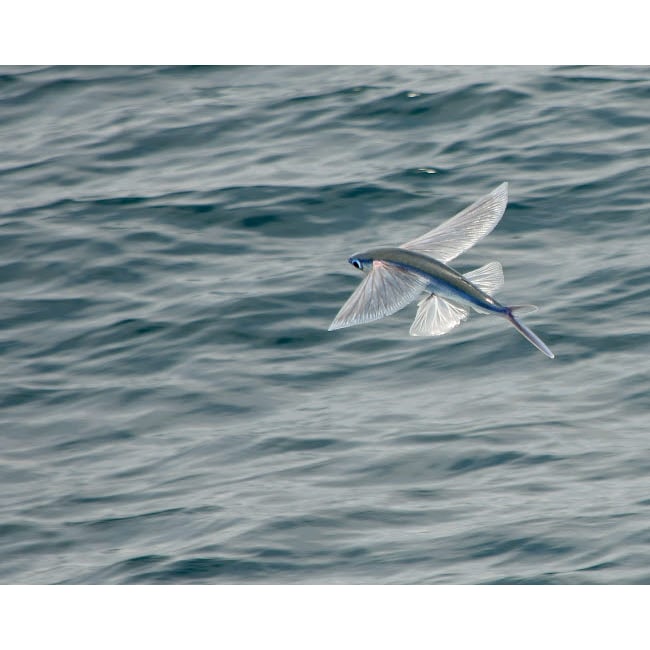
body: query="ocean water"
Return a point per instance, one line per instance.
(173, 250)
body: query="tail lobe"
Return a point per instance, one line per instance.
(528, 334)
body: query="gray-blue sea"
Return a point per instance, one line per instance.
(174, 245)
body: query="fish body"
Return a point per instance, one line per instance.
(395, 276)
(440, 278)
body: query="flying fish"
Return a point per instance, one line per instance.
(396, 276)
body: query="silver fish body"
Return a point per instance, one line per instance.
(395, 276)
(440, 279)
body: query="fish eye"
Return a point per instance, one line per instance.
(356, 263)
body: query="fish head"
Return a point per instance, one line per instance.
(361, 261)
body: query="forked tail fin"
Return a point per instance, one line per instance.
(528, 333)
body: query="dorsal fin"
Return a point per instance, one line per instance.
(488, 278)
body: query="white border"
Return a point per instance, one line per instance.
(338, 31)
(333, 617)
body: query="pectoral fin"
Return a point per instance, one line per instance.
(461, 232)
(387, 288)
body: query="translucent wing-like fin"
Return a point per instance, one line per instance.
(437, 316)
(387, 288)
(488, 278)
(462, 231)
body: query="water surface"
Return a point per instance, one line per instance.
(173, 249)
